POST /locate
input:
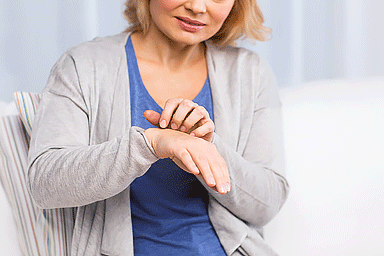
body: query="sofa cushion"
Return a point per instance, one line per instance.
(41, 232)
(334, 143)
(27, 104)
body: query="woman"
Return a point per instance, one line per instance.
(93, 150)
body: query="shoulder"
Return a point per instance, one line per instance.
(98, 60)
(99, 50)
(100, 45)
(232, 55)
(245, 66)
(90, 68)
(237, 59)
(98, 54)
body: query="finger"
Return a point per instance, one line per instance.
(179, 163)
(204, 168)
(184, 157)
(181, 114)
(202, 178)
(169, 108)
(206, 127)
(153, 117)
(198, 114)
(220, 173)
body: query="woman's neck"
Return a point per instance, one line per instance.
(157, 48)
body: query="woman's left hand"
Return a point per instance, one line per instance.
(185, 116)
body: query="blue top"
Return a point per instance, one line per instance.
(168, 205)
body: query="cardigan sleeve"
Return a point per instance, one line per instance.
(64, 169)
(258, 184)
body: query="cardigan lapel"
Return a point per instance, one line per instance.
(225, 96)
(117, 234)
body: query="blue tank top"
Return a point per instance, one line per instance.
(168, 205)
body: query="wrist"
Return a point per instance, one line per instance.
(151, 135)
(155, 138)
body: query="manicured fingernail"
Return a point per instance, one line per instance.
(193, 134)
(183, 129)
(223, 188)
(163, 123)
(174, 126)
(228, 187)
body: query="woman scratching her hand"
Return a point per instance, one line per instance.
(165, 139)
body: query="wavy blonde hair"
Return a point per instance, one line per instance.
(244, 20)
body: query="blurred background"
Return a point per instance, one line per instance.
(328, 57)
(311, 40)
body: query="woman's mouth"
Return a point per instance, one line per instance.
(189, 25)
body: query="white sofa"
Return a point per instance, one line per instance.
(334, 141)
(9, 244)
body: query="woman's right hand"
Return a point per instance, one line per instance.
(183, 115)
(192, 154)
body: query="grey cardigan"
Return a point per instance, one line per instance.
(84, 153)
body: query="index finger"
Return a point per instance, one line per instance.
(169, 108)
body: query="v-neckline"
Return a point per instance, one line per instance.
(131, 51)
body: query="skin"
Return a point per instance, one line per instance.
(173, 67)
(185, 116)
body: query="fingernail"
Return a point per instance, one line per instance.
(211, 181)
(223, 188)
(174, 126)
(228, 187)
(163, 123)
(183, 129)
(193, 134)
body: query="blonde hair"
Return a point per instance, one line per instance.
(244, 20)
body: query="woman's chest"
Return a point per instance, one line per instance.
(163, 84)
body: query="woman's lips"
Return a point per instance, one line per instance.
(189, 25)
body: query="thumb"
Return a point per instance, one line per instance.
(153, 117)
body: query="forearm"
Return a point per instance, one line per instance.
(257, 192)
(250, 139)
(68, 177)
